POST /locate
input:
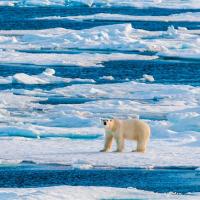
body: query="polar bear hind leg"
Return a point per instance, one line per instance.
(141, 146)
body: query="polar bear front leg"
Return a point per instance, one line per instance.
(120, 143)
(108, 142)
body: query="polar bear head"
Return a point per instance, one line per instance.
(110, 124)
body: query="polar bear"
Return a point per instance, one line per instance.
(131, 129)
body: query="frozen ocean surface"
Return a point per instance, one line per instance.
(65, 64)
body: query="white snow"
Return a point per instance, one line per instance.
(110, 78)
(171, 110)
(178, 4)
(147, 78)
(7, 3)
(46, 77)
(89, 193)
(182, 17)
(82, 59)
(180, 43)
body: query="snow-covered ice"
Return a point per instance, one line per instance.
(82, 59)
(107, 78)
(89, 193)
(179, 4)
(147, 78)
(177, 43)
(175, 128)
(182, 17)
(46, 77)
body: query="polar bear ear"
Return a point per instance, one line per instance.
(111, 118)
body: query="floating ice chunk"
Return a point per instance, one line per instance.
(82, 59)
(46, 77)
(81, 164)
(111, 78)
(89, 2)
(5, 80)
(148, 78)
(172, 31)
(7, 3)
(49, 72)
(41, 3)
(26, 79)
(192, 52)
(188, 16)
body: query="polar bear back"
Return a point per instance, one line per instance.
(134, 129)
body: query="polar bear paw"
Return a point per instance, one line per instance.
(103, 150)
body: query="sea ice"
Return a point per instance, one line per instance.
(171, 110)
(110, 78)
(177, 43)
(46, 77)
(82, 59)
(174, 4)
(148, 78)
(89, 193)
(182, 17)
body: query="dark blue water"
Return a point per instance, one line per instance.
(165, 72)
(170, 71)
(22, 18)
(167, 179)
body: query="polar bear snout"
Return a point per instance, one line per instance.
(105, 122)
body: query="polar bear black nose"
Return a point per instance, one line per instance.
(104, 123)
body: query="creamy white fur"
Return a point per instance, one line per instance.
(131, 129)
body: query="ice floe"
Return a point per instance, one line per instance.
(175, 43)
(80, 60)
(7, 3)
(171, 110)
(89, 193)
(46, 77)
(179, 4)
(110, 78)
(147, 78)
(182, 17)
